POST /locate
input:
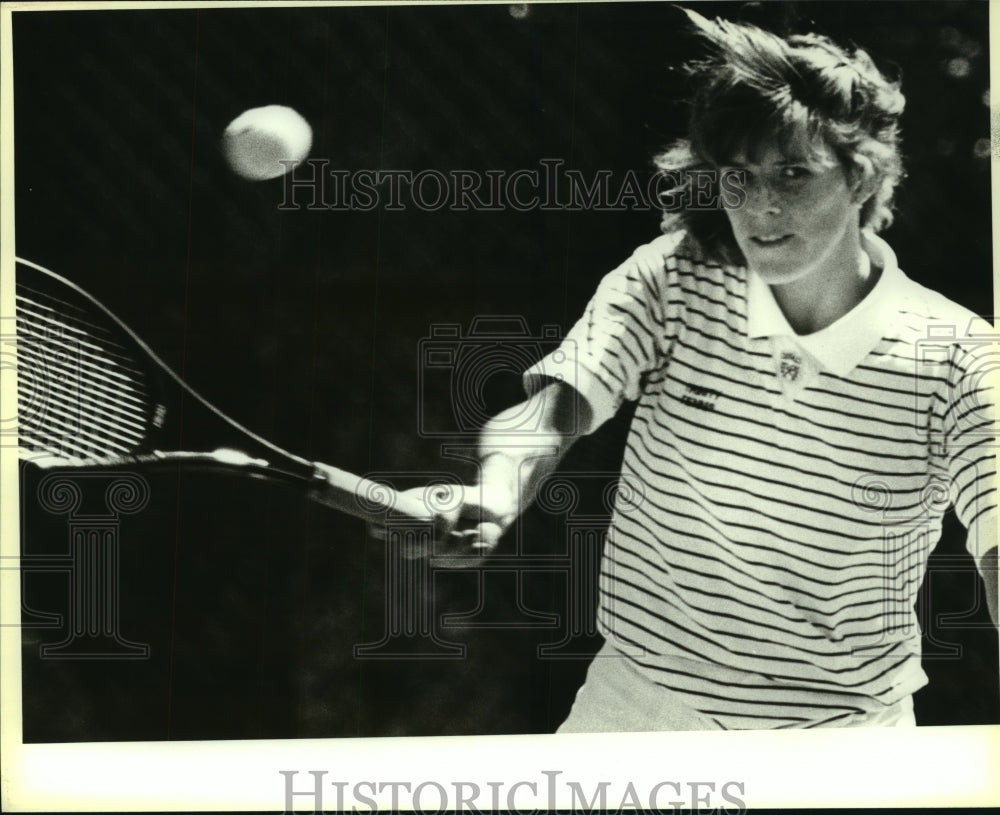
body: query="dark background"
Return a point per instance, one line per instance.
(306, 327)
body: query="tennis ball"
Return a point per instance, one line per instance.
(258, 140)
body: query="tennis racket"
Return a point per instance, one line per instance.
(92, 395)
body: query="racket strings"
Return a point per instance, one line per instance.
(80, 396)
(56, 350)
(61, 326)
(57, 375)
(56, 423)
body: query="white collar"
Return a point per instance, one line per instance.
(847, 341)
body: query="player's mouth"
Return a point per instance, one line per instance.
(770, 241)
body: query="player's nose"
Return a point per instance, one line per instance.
(761, 198)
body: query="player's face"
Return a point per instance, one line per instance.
(800, 218)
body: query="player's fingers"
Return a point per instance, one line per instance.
(467, 547)
(487, 539)
(466, 527)
(434, 503)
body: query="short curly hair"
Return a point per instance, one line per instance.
(755, 85)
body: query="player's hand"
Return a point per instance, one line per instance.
(468, 522)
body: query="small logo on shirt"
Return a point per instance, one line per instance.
(790, 366)
(701, 398)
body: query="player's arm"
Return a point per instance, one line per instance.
(517, 449)
(985, 529)
(514, 459)
(969, 424)
(620, 337)
(512, 463)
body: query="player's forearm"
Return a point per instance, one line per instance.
(523, 445)
(513, 474)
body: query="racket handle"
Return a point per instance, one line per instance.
(363, 497)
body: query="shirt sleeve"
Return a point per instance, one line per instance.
(625, 332)
(971, 437)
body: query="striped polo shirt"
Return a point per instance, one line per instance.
(785, 491)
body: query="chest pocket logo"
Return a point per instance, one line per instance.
(701, 398)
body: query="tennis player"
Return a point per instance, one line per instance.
(806, 413)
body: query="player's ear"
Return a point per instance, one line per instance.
(862, 178)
